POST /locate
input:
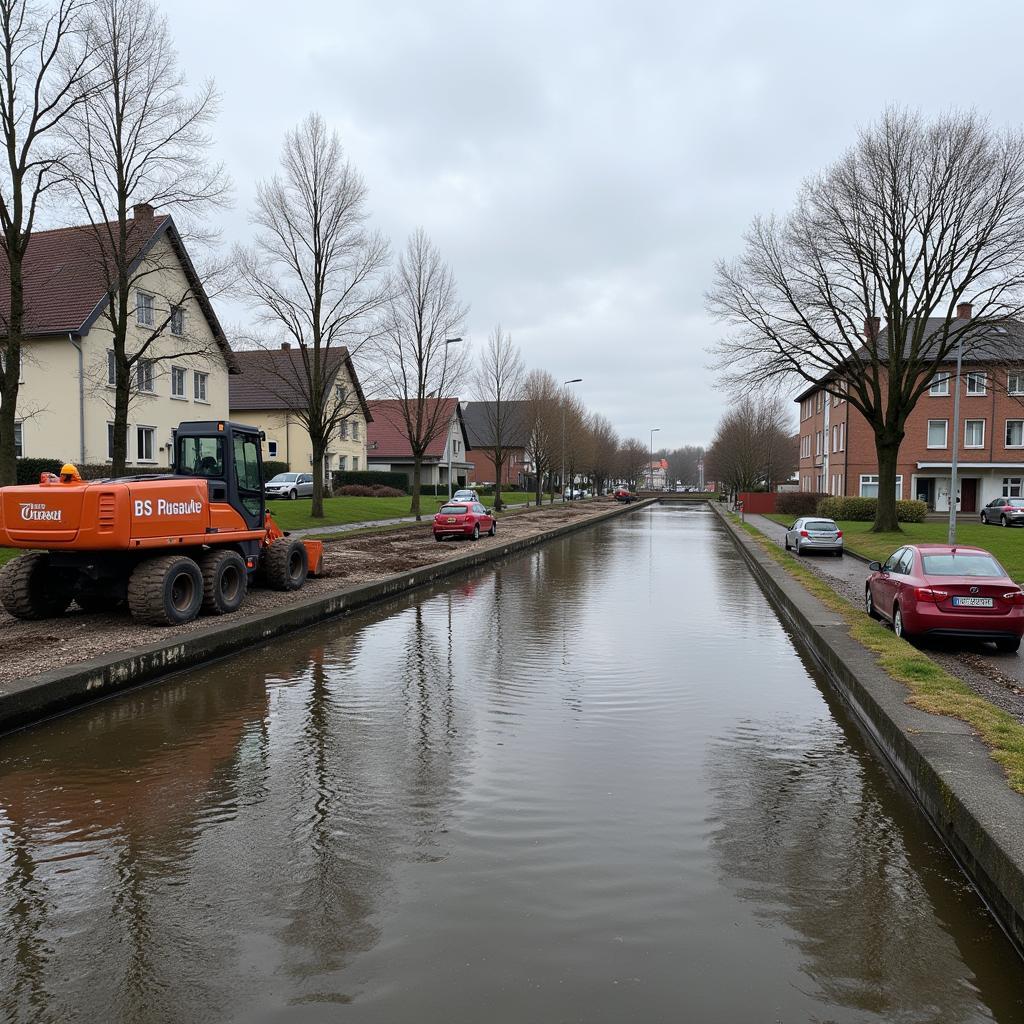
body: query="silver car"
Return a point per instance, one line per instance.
(465, 495)
(290, 485)
(812, 533)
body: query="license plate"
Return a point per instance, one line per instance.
(972, 602)
(451, 519)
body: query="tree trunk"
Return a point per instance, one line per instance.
(317, 509)
(12, 373)
(887, 450)
(417, 471)
(119, 453)
(499, 468)
(539, 485)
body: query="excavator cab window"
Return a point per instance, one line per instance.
(248, 473)
(201, 456)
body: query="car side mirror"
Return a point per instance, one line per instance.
(875, 566)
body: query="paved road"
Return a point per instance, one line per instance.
(998, 677)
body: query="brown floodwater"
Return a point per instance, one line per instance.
(598, 783)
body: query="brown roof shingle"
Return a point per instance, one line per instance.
(386, 437)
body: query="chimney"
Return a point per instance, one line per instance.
(963, 311)
(872, 325)
(285, 346)
(142, 212)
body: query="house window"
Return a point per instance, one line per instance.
(272, 449)
(144, 375)
(343, 430)
(974, 433)
(340, 393)
(19, 442)
(177, 320)
(145, 438)
(977, 383)
(355, 430)
(144, 309)
(199, 381)
(939, 384)
(178, 386)
(937, 431)
(1015, 384)
(1012, 486)
(869, 486)
(355, 462)
(110, 440)
(817, 442)
(343, 462)
(111, 367)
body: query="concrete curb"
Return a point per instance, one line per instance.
(36, 698)
(949, 771)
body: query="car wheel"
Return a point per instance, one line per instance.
(438, 537)
(292, 494)
(476, 531)
(897, 623)
(984, 519)
(494, 528)
(796, 548)
(869, 604)
(1008, 646)
(785, 542)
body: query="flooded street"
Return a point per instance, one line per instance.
(596, 784)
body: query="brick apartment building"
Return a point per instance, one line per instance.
(837, 446)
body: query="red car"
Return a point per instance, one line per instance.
(464, 519)
(623, 494)
(942, 591)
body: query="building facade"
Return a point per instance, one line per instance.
(388, 448)
(837, 446)
(66, 396)
(481, 418)
(273, 385)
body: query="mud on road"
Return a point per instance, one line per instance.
(27, 648)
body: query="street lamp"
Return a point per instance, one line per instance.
(561, 478)
(449, 341)
(956, 443)
(650, 465)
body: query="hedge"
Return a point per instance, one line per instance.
(369, 477)
(373, 491)
(798, 503)
(29, 470)
(271, 468)
(862, 510)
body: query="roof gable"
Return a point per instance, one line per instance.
(480, 422)
(386, 437)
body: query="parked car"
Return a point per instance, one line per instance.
(289, 485)
(464, 519)
(466, 494)
(623, 494)
(938, 590)
(1004, 511)
(812, 533)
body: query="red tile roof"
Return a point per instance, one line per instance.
(386, 437)
(66, 284)
(277, 379)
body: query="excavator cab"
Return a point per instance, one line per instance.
(229, 456)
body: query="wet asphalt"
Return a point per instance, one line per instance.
(996, 676)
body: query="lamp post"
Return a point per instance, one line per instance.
(956, 444)
(451, 440)
(561, 478)
(650, 465)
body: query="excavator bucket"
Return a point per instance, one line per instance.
(314, 556)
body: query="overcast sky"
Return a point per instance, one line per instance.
(582, 165)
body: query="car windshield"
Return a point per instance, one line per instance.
(463, 494)
(821, 524)
(962, 564)
(453, 510)
(284, 478)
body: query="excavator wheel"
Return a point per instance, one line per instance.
(285, 564)
(28, 589)
(165, 591)
(225, 581)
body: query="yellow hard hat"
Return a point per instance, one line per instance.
(69, 472)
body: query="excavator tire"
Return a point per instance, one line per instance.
(165, 591)
(28, 589)
(225, 581)
(285, 564)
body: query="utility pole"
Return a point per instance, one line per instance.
(650, 465)
(451, 437)
(575, 380)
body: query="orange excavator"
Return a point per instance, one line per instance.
(168, 545)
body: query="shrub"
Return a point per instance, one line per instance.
(29, 469)
(862, 510)
(374, 491)
(798, 503)
(369, 477)
(271, 468)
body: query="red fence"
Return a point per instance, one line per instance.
(758, 502)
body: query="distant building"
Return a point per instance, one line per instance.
(388, 445)
(656, 477)
(480, 419)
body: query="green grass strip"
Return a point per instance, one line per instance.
(932, 688)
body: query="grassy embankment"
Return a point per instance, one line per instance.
(1006, 545)
(931, 688)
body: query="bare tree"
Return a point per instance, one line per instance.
(498, 382)
(572, 437)
(316, 275)
(540, 404)
(418, 368)
(916, 219)
(138, 141)
(683, 464)
(602, 446)
(753, 445)
(632, 460)
(39, 85)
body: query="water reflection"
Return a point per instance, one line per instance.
(587, 785)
